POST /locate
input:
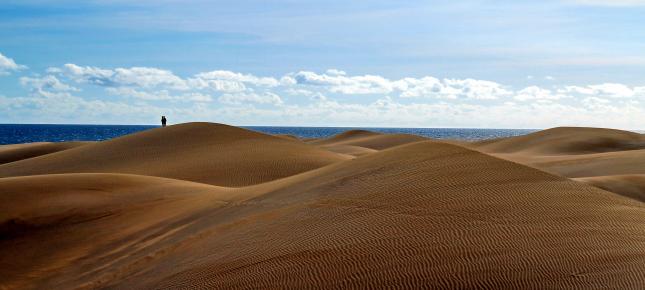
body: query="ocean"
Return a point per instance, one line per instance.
(23, 133)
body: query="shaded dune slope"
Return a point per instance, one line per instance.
(202, 152)
(423, 214)
(11, 153)
(632, 186)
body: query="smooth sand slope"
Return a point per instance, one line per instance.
(202, 152)
(15, 152)
(422, 214)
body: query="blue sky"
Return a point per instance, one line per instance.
(500, 64)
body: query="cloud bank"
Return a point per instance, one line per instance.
(74, 93)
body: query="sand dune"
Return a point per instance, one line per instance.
(603, 154)
(288, 137)
(425, 214)
(349, 150)
(420, 215)
(367, 139)
(57, 228)
(15, 152)
(201, 152)
(566, 141)
(632, 186)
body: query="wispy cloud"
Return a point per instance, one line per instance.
(8, 65)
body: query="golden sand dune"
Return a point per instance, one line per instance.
(424, 214)
(604, 154)
(367, 139)
(587, 165)
(632, 186)
(201, 152)
(566, 141)
(15, 152)
(288, 137)
(58, 229)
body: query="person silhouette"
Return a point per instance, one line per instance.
(163, 121)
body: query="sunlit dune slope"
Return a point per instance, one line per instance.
(202, 152)
(15, 152)
(424, 214)
(367, 139)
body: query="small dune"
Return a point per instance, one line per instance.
(606, 158)
(288, 137)
(566, 141)
(349, 150)
(632, 186)
(16, 152)
(367, 139)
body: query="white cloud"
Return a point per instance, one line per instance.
(265, 98)
(46, 83)
(325, 99)
(451, 89)
(162, 95)
(8, 65)
(136, 76)
(229, 76)
(367, 84)
(335, 72)
(533, 93)
(611, 90)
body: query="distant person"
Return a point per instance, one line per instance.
(163, 121)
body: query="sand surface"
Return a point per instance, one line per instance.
(610, 159)
(16, 152)
(212, 206)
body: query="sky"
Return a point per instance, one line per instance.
(370, 63)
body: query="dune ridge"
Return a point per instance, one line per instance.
(423, 214)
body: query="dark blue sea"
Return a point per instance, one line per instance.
(13, 133)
